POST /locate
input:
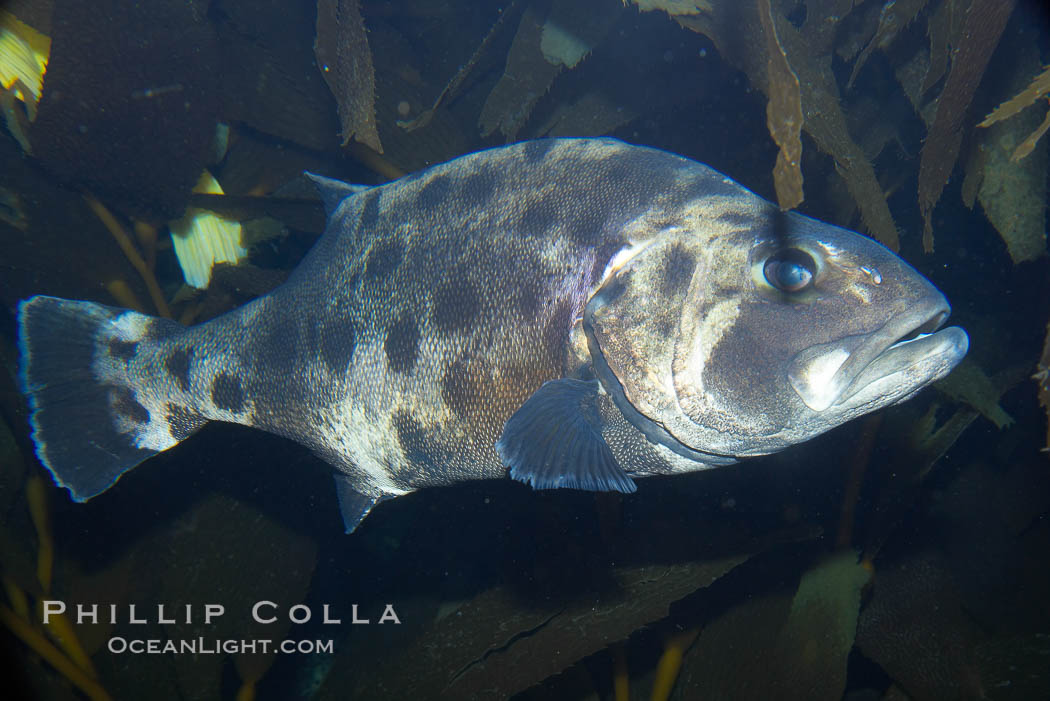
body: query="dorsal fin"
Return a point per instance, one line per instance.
(333, 191)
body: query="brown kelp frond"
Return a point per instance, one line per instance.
(737, 31)
(783, 114)
(346, 64)
(1039, 87)
(985, 22)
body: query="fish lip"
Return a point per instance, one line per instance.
(835, 373)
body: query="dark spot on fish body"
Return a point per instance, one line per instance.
(409, 432)
(456, 303)
(528, 298)
(277, 350)
(719, 291)
(642, 176)
(677, 272)
(178, 366)
(736, 382)
(476, 189)
(227, 394)
(461, 385)
(433, 194)
(159, 328)
(536, 151)
(337, 342)
(412, 438)
(402, 343)
(737, 220)
(483, 398)
(123, 350)
(665, 325)
(430, 459)
(586, 227)
(125, 404)
(538, 219)
(182, 422)
(619, 171)
(383, 259)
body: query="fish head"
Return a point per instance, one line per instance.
(740, 330)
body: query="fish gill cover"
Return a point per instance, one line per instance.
(918, 122)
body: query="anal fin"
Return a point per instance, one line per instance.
(353, 505)
(554, 440)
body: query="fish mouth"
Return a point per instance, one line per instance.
(882, 367)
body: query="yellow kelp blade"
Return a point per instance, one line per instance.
(23, 57)
(203, 239)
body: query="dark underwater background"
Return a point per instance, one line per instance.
(901, 556)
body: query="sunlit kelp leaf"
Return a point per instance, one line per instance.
(985, 22)
(545, 44)
(916, 629)
(346, 64)
(23, 60)
(969, 384)
(778, 646)
(732, 655)
(813, 646)
(202, 238)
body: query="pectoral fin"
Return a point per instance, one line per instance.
(555, 440)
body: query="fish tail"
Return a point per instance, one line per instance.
(99, 407)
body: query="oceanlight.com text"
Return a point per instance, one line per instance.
(216, 646)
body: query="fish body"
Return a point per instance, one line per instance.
(578, 312)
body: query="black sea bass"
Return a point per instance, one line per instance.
(578, 312)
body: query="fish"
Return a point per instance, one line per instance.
(573, 313)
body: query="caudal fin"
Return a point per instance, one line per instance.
(94, 413)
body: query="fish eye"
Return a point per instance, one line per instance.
(790, 270)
